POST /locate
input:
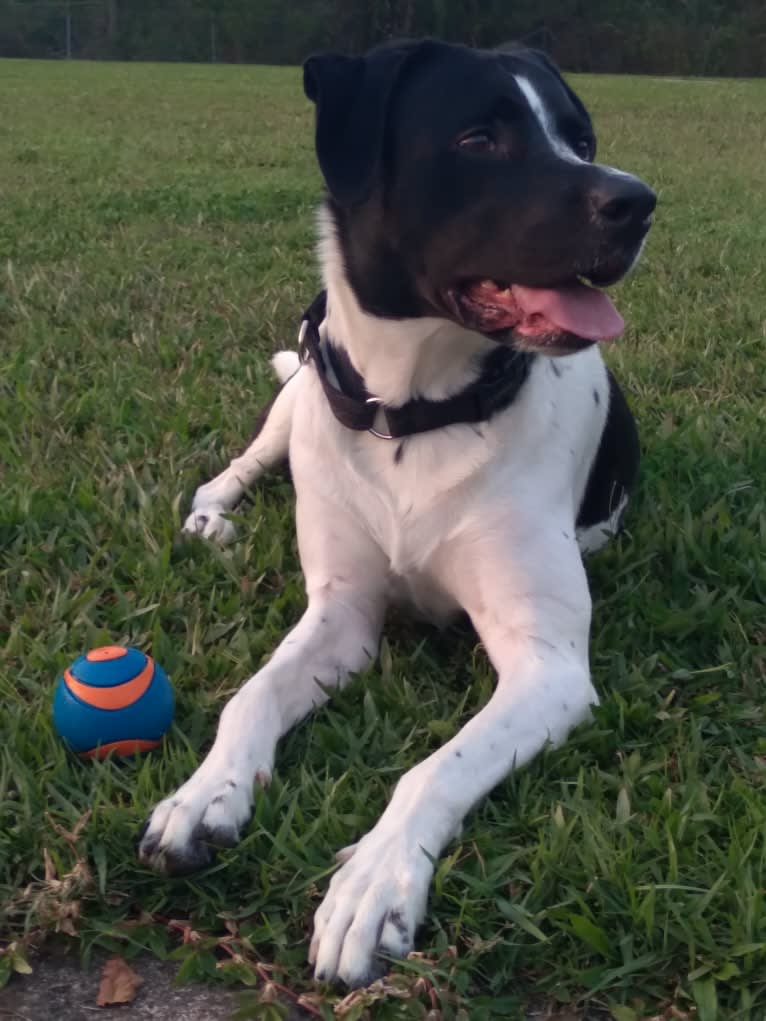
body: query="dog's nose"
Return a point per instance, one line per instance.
(620, 200)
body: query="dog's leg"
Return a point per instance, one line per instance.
(338, 635)
(268, 447)
(534, 624)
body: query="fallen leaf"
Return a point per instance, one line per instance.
(119, 983)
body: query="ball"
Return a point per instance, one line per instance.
(116, 700)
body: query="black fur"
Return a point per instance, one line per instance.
(615, 468)
(416, 214)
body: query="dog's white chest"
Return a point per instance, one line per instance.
(416, 497)
(409, 493)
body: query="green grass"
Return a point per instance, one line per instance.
(156, 238)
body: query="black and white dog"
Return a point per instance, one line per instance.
(454, 438)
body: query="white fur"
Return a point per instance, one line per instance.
(285, 364)
(474, 517)
(556, 142)
(398, 359)
(221, 494)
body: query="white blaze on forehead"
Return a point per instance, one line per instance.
(545, 120)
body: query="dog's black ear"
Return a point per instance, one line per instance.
(352, 96)
(333, 83)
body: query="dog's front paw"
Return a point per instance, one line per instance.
(184, 831)
(371, 910)
(210, 523)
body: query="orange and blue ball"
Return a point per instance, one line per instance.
(113, 700)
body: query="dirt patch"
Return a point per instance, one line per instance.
(59, 990)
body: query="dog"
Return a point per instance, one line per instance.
(455, 441)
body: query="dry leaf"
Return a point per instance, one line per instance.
(74, 836)
(50, 868)
(119, 983)
(269, 993)
(67, 919)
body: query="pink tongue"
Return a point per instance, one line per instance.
(581, 310)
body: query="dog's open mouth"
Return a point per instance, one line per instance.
(559, 318)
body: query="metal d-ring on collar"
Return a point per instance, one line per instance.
(503, 373)
(381, 436)
(303, 351)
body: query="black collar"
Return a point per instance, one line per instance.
(502, 376)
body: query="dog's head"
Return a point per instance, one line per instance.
(463, 185)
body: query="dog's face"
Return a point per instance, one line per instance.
(463, 185)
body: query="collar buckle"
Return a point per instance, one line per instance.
(503, 374)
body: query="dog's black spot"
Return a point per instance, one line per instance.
(397, 920)
(399, 453)
(221, 836)
(566, 535)
(231, 783)
(555, 369)
(377, 969)
(596, 397)
(197, 853)
(615, 467)
(217, 799)
(191, 858)
(458, 755)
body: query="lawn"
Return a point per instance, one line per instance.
(156, 239)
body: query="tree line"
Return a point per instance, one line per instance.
(687, 37)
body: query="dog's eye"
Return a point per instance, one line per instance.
(478, 142)
(585, 149)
